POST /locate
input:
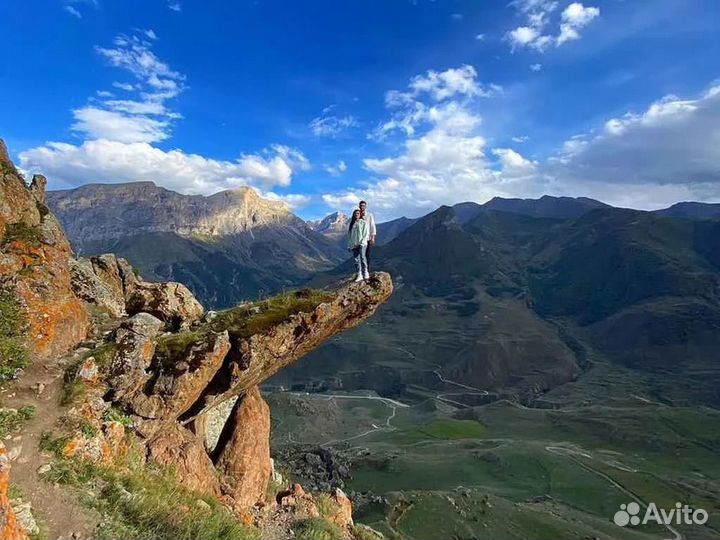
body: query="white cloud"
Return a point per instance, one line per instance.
(294, 201)
(535, 67)
(480, 37)
(338, 169)
(72, 11)
(329, 125)
(575, 17)
(124, 86)
(443, 160)
(648, 159)
(537, 14)
(435, 97)
(458, 16)
(70, 6)
(174, 6)
(145, 117)
(117, 126)
(113, 161)
(673, 142)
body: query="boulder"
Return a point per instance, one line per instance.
(172, 303)
(106, 268)
(243, 453)
(135, 339)
(179, 380)
(127, 275)
(177, 448)
(90, 287)
(343, 509)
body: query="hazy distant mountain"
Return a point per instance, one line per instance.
(333, 226)
(546, 206)
(692, 210)
(388, 230)
(226, 247)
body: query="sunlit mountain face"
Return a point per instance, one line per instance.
(544, 177)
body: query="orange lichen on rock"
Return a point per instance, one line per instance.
(10, 529)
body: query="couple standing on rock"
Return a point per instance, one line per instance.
(361, 237)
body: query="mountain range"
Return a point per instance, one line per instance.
(519, 302)
(230, 246)
(513, 297)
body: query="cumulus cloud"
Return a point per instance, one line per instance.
(668, 152)
(538, 13)
(112, 161)
(119, 133)
(535, 67)
(435, 97)
(294, 201)
(673, 142)
(443, 159)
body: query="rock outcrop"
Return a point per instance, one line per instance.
(179, 386)
(35, 261)
(243, 456)
(173, 303)
(10, 528)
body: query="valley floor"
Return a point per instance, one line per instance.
(430, 465)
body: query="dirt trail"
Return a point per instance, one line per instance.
(56, 508)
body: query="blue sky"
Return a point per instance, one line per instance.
(408, 103)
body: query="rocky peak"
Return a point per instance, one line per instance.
(108, 211)
(334, 225)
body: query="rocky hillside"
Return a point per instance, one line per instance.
(334, 226)
(160, 405)
(515, 305)
(227, 247)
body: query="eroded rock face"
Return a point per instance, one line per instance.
(243, 453)
(135, 339)
(180, 387)
(171, 389)
(89, 287)
(178, 448)
(10, 529)
(35, 263)
(173, 303)
(255, 359)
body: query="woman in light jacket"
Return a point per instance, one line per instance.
(358, 236)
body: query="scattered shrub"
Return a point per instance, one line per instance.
(318, 529)
(13, 328)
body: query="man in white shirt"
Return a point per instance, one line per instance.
(373, 232)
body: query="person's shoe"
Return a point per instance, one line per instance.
(359, 278)
(367, 275)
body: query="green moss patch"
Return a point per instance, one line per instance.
(13, 419)
(248, 319)
(13, 328)
(318, 529)
(23, 232)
